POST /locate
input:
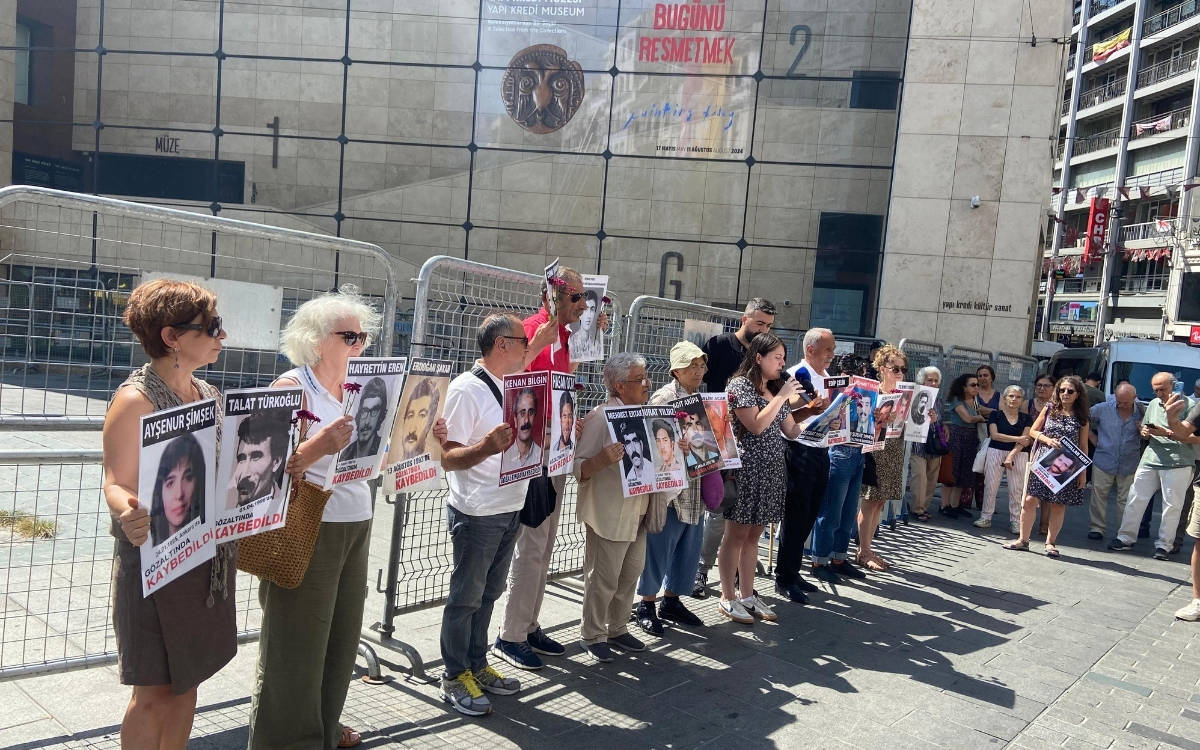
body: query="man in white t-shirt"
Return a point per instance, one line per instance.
(808, 469)
(483, 518)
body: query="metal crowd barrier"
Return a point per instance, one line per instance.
(453, 296)
(656, 324)
(961, 359)
(1016, 369)
(69, 263)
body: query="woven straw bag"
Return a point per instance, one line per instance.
(281, 555)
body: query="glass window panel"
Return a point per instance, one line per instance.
(714, 36)
(409, 104)
(146, 97)
(554, 193)
(158, 27)
(315, 30)
(693, 116)
(305, 96)
(379, 182)
(675, 198)
(528, 250)
(419, 31)
(584, 30)
(585, 130)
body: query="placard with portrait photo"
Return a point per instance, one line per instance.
(1060, 466)
(864, 396)
(663, 429)
(895, 427)
(564, 416)
(414, 460)
(627, 426)
(372, 402)
(717, 406)
(177, 475)
(258, 439)
(702, 456)
(525, 411)
(920, 413)
(587, 338)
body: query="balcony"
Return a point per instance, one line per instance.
(1147, 231)
(1170, 17)
(1086, 144)
(1103, 93)
(1177, 118)
(1185, 63)
(1087, 53)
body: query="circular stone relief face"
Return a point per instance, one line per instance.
(542, 89)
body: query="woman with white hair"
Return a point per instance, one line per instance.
(1007, 453)
(614, 551)
(924, 465)
(309, 635)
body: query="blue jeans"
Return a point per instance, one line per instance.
(672, 554)
(839, 509)
(483, 547)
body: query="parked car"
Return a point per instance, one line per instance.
(1135, 360)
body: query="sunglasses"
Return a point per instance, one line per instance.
(897, 369)
(1066, 390)
(574, 296)
(352, 337)
(523, 339)
(213, 327)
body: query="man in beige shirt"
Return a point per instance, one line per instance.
(615, 546)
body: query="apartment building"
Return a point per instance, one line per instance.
(1128, 135)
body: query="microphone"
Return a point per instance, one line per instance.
(806, 382)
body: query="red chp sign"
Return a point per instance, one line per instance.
(1093, 243)
(1195, 337)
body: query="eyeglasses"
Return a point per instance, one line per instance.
(213, 327)
(523, 339)
(639, 381)
(352, 337)
(1045, 385)
(1066, 390)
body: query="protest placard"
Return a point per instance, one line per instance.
(1058, 467)
(703, 456)
(176, 484)
(252, 485)
(562, 423)
(626, 425)
(895, 427)
(864, 396)
(525, 410)
(414, 460)
(371, 392)
(663, 428)
(916, 426)
(717, 406)
(587, 339)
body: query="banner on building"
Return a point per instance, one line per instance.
(1097, 227)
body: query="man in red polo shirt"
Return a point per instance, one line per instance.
(521, 638)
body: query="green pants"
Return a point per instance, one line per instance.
(308, 644)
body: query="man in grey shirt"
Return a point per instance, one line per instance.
(1115, 426)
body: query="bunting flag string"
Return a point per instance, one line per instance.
(1124, 191)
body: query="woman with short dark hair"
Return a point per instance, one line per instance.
(964, 444)
(179, 636)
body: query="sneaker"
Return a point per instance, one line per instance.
(1161, 554)
(495, 683)
(734, 610)
(544, 644)
(646, 618)
(1015, 528)
(627, 642)
(759, 609)
(601, 652)
(844, 568)
(982, 523)
(1191, 612)
(792, 592)
(700, 587)
(465, 696)
(826, 573)
(1116, 545)
(1095, 535)
(670, 608)
(520, 655)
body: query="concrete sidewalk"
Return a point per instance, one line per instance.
(963, 645)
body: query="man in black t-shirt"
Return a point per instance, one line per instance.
(725, 353)
(1187, 431)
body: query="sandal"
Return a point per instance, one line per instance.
(350, 738)
(1019, 545)
(924, 517)
(872, 563)
(1052, 551)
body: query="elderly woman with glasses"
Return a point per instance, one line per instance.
(1066, 418)
(1007, 454)
(891, 364)
(309, 635)
(673, 554)
(179, 636)
(614, 552)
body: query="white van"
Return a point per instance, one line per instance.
(1135, 360)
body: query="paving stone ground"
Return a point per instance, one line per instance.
(963, 645)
